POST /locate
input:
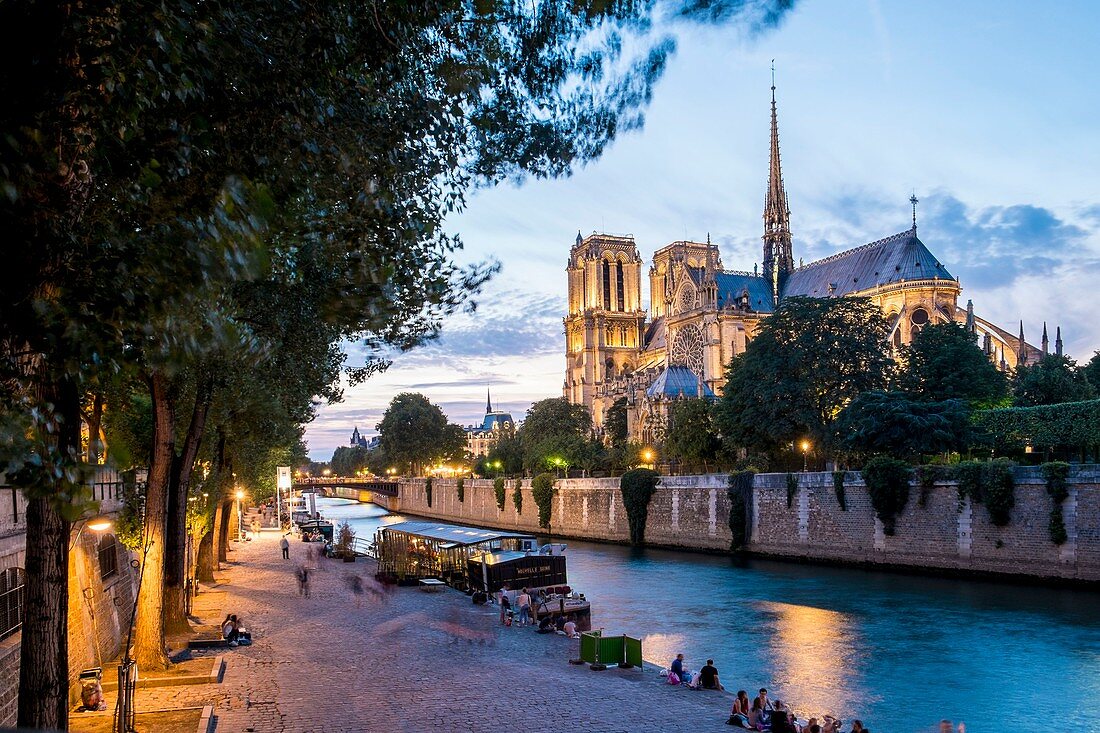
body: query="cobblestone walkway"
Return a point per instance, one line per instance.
(410, 661)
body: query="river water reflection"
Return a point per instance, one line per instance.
(899, 651)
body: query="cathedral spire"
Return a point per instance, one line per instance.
(488, 402)
(1058, 341)
(1021, 354)
(914, 200)
(778, 259)
(970, 316)
(1046, 341)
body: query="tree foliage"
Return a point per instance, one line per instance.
(1046, 426)
(944, 362)
(740, 497)
(556, 429)
(691, 436)
(498, 491)
(892, 423)
(615, 427)
(1052, 380)
(806, 363)
(415, 432)
(1056, 474)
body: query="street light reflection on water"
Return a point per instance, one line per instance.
(899, 652)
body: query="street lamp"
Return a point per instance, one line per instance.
(805, 445)
(648, 456)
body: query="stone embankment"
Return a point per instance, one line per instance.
(941, 531)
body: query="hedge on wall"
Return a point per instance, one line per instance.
(517, 496)
(637, 488)
(1045, 426)
(887, 481)
(542, 491)
(740, 496)
(927, 476)
(460, 485)
(792, 488)
(998, 491)
(838, 489)
(428, 490)
(498, 489)
(1056, 474)
(990, 483)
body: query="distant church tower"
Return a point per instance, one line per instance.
(778, 258)
(604, 328)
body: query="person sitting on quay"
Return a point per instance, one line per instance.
(677, 668)
(782, 720)
(570, 628)
(758, 715)
(739, 713)
(707, 679)
(546, 624)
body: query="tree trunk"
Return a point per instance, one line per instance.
(44, 646)
(224, 510)
(205, 562)
(97, 447)
(149, 632)
(175, 569)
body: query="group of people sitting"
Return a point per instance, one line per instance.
(761, 714)
(234, 632)
(764, 715)
(516, 609)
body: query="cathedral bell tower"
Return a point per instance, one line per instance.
(778, 258)
(604, 328)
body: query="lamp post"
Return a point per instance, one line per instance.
(240, 519)
(805, 455)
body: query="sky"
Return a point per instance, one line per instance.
(987, 111)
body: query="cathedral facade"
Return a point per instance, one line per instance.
(701, 315)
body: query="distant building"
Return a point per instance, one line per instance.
(358, 441)
(481, 438)
(702, 315)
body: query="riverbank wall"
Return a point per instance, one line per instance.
(935, 530)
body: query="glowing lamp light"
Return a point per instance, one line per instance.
(240, 495)
(647, 455)
(805, 446)
(99, 524)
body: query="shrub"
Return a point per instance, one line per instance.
(344, 539)
(792, 488)
(990, 483)
(428, 490)
(542, 491)
(969, 476)
(460, 485)
(838, 489)
(1056, 474)
(887, 482)
(637, 488)
(998, 491)
(517, 496)
(740, 496)
(498, 489)
(927, 476)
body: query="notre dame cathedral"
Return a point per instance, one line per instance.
(702, 315)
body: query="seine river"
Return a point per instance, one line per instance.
(898, 651)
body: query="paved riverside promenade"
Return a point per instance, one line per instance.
(410, 661)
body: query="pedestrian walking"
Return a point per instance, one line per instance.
(303, 580)
(355, 584)
(285, 544)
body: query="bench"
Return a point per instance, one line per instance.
(431, 585)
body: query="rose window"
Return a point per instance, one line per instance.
(687, 349)
(687, 298)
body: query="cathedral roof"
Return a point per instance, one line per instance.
(678, 381)
(891, 260)
(732, 284)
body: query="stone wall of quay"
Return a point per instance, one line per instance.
(692, 512)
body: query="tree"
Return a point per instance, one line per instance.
(146, 154)
(615, 428)
(944, 362)
(692, 437)
(507, 451)
(413, 431)
(348, 460)
(1050, 381)
(555, 429)
(894, 424)
(1092, 371)
(806, 363)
